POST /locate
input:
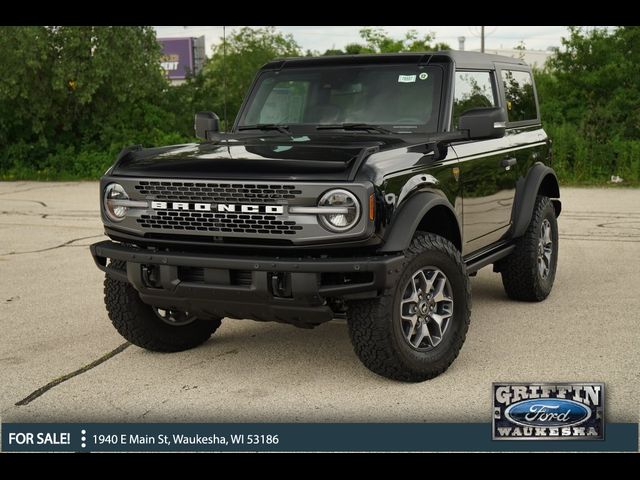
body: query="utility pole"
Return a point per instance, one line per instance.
(482, 39)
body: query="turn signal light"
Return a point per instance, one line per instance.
(372, 207)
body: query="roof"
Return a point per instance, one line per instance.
(462, 59)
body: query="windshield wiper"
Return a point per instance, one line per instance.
(354, 126)
(266, 126)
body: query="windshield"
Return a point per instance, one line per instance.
(398, 97)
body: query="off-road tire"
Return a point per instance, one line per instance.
(520, 276)
(137, 322)
(375, 326)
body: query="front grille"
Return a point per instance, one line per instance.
(219, 222)
(217, 192)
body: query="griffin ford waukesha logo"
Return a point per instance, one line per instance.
(548, 411)
(219, 207)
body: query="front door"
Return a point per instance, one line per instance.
(487, 171)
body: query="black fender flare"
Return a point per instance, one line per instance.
(526, 192)
(407, 218)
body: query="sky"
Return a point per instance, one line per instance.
(323, 38)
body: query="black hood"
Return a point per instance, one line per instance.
(327, 157)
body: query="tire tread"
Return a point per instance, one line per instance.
(131, 318)
(519, 273)
(368, 320)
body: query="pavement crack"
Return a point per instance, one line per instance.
(25, 200)
(592, 239)
(68, 243)
(54, 383)
(85, 214)
(39, 187)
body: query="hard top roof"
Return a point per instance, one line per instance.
(462, 59)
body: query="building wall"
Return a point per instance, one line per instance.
(534, 58)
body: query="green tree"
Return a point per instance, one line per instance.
(25, 86)
(590, 101)
(599, 73)
(377, 40)
(227, 77)
(67, 89)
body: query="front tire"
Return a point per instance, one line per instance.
(414, 331)
(529, 271)
(158, 331)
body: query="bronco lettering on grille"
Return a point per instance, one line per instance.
(219, 207)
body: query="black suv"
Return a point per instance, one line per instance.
(361, 187)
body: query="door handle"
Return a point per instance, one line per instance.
(507, 163)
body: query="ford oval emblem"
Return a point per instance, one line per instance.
(548, 412)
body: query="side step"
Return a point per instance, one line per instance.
(482, 259)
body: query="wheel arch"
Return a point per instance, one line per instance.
(423, 211)
(541, 180)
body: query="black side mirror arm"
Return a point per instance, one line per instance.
(439, 143)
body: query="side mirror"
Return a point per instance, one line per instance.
(205, 124)
(484, 123)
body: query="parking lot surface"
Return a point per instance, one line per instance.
(54, 323)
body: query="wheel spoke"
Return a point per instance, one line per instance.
(439, 318)
(438, 294)
(422, 332)
(542, 267)
(412, 299)
(435, 330)
(422, 278)
(547, 233)
(434, 277)
(414, 289)
(413, 319)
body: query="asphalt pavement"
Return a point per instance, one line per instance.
(53, 322)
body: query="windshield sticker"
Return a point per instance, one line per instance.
(406, 78)
(423, 76)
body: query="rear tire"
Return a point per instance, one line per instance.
(138, 323)
(387, 342)
(529, 271)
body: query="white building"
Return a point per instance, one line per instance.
(533, 58)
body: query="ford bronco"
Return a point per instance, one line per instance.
(366, 187)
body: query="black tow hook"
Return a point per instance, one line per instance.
(150, 276)
(281, 284)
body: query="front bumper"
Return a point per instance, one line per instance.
(290, 290)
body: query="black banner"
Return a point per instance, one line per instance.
(280, 437)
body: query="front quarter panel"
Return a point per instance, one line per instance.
(400, 174)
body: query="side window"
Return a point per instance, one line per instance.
(520, 100)
(472, 90)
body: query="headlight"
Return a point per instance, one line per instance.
(346, 203)
(115, 201)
